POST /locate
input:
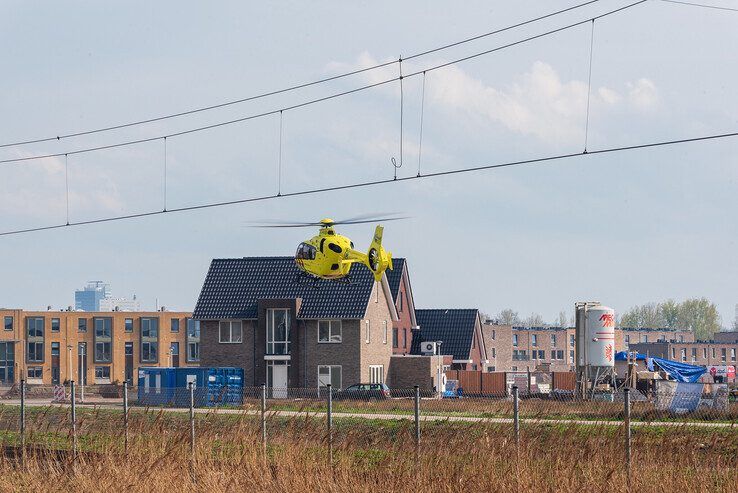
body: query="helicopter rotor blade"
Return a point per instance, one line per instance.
(362, 219)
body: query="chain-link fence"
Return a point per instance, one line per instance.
(78, 422)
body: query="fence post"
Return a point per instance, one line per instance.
(192, 419)
(74, 420)
(516, 415)
(125, 417)
(263, 419)
(627, 433)
(417, 419)
(329, 417)
(23, 420)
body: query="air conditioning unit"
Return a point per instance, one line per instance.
(428, 347)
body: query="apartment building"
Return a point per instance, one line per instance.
(458, 331)
(702, 353)
(51, 347)
(262, 315)
(512, 348)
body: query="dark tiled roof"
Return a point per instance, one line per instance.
(233, 287)
(394, 276)
(455, 327)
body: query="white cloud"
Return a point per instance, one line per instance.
(642, 93)
(537, 102)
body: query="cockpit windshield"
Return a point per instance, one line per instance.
(305, 251)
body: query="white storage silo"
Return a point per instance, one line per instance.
(600, 337)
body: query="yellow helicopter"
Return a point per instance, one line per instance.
(329, 255)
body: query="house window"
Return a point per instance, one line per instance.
(376, 374)
(129, 325)
(278, 331)
(723, 352)
(103, 340)
(627, 340)
(694, 354)
(704, 353)
(541, 354)
(55, 325)
(571, 357)
(384, 327)
(329, 375)
(404, 338)
(35, 338)
(329, 331)
(193, 340)
(8, 323)
(231, 332)
(515, 340)
(571, 340)
(684, 354)
(713, 352)
(175, 325)
(368, 330)
(534, 340)
(35, 372)
(400, 308)
(644, 338)
(494, 352)
(149, 340)
(673, 353)
(553, 340)
(493, 335)
(102, 374)
(681, 338)
(732, 354)
(82, 324)
(395, 338)
(490, 369)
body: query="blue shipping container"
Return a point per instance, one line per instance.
(159, 387)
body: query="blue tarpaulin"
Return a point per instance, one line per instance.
(681, 372)
(623, 356)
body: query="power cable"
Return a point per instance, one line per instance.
(692, 4)
(383, 182)
(324, 98)
(291, 88)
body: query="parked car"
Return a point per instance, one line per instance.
(364, 392)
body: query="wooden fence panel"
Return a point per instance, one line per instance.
(564, 380)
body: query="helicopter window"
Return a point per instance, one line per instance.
(305, 252)
(335, 247)
(321, 245)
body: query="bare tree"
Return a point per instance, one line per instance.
(508, 316)
(534, 320)
(563, 319)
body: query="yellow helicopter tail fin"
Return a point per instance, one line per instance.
(378, 259)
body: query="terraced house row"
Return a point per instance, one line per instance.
(51, 347)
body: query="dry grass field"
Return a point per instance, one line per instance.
(368, 456)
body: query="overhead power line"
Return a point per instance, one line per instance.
(703, 5)
(291, 88)
(536, 161)
(324, 98)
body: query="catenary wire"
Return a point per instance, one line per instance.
(324, 98)
(364, 184)
(294, 87)
(703, 5)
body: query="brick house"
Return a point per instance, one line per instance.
(460, 333)
(402, 295)
(256, 313)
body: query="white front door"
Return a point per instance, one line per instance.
(279, 381)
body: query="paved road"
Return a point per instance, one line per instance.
(388, 416)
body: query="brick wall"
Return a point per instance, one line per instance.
(379, 350)
(240, 355)
(346, 353)
(408, 371)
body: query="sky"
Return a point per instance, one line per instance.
(622, 228)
